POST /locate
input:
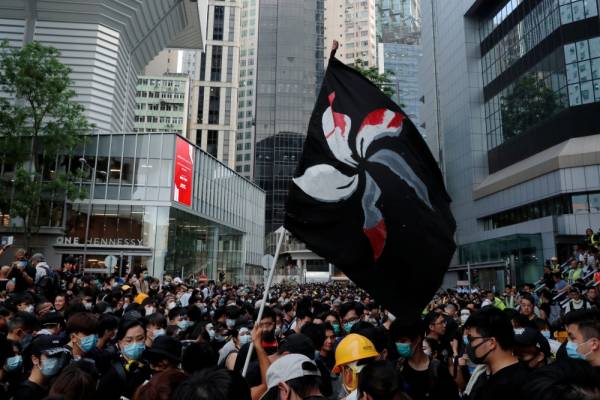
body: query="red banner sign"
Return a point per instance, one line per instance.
(184, 172)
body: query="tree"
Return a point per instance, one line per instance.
(529, 102)
(382, 81)
(40, 127)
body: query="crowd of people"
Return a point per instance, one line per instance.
(68, 335)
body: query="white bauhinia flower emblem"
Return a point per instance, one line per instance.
(325, 183)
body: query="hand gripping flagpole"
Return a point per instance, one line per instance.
(265, 295)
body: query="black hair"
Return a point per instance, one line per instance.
(267, 313)
(84, 322)
(107, 322)
(177, 312)
(404, 329)
(380, 381)
(198, 356)
(156, 319)
(303, 312)
(22, 320)
(127, 324)
(431, 318)
(314, 332)
(587, 321)
(528, 297)
(567, 379)
(358, 308)
(492, 322)
(287, 307)
(213, 384)
(378, 336)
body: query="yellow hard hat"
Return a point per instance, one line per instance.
(139, 299)
(352, 348)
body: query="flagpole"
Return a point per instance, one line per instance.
(264, 299)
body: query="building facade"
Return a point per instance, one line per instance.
(157, 202)
(246, 118)
(403, 61)
(106, 43)
(162, 103)
(517, 90)
(399, 51)
(289, 70)
(215, 87)
(353, 24)
(165, 62)
(398, 21)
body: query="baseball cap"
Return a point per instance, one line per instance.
(529, 337)
(52, 318)
(49, 345)
(286, 368)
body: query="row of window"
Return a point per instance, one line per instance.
(156, 119)
(159, 107)
(582, 61)
(161, 83)
(159, 95)
(559, 205)
(571, 72)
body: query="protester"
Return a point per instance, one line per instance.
(491, 342)
(379, 381)
(583, 327)
(142, 338)
(426, 378)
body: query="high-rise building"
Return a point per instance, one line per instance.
(353, 24)
(403, 60)
(512, 91)
(398, 21)
(399, 51)
(165, 62)
(213, 119)
(290, 67)
(162, 103)
(106, 43)
(244, 163)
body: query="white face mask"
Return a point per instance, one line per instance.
(150, 310)
(171, 305)
(29, 308)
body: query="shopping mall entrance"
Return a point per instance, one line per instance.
(108, 260)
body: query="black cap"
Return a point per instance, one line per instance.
(164, 347)
(52, 318)
(299, 344)
(529, 337)
(49, 345)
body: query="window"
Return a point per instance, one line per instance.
(213, 105)
(215, 67)
(580, 204)
(212, 141)
(219, 18)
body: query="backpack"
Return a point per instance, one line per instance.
(49, 285)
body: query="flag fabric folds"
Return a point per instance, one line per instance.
(369, 197)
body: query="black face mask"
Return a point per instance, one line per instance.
(473, 357)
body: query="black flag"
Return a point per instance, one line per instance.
(369, 197)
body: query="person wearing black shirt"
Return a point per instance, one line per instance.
(424, 378)
(490, 342)
(48, 358)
